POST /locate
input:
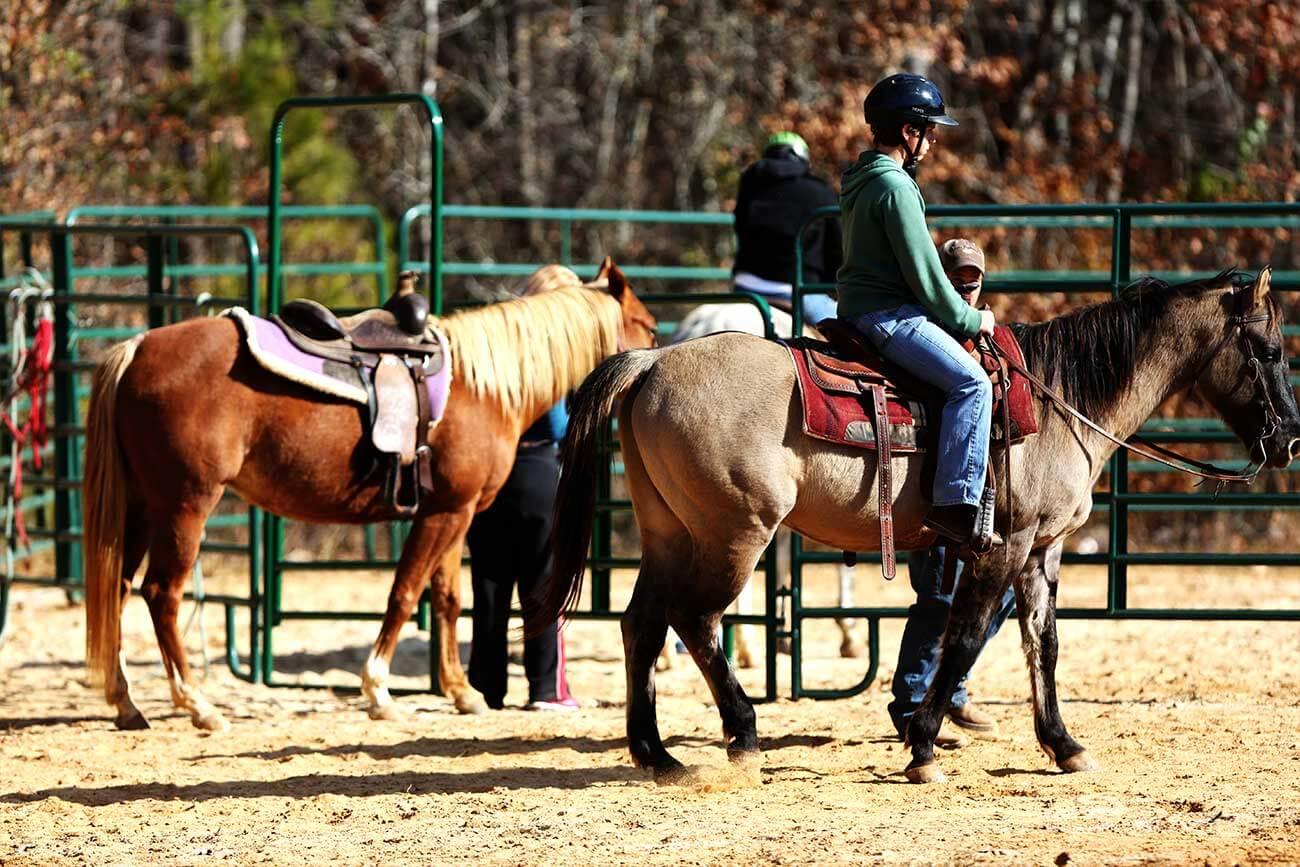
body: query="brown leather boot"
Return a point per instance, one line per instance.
(972, 719)
(956, 523)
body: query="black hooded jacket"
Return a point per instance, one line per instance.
(776, 195)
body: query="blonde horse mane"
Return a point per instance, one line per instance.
(531, 351)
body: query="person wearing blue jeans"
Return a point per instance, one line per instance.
(893, 288)
(918, 653)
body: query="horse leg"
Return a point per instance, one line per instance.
(784, 553)
(645, 625)
(700, 633)
(446, 603)
(851, 645)
(172, 552)
(135, 544)
(744, 605)
(667, 659)
(973, 606)
(1036, 601)
(429, 541)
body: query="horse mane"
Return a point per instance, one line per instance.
(531, 351)
(1090, 354)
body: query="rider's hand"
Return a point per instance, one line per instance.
(987, 322)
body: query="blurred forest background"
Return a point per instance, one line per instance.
(649, 103)
(660, 104)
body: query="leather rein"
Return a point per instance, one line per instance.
(1272, 420)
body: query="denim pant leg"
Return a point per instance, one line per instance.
(817, 307)
(910, 339)
(918, 652)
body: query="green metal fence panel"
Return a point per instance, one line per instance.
(67, 429)
(376, 269)
(273, 526)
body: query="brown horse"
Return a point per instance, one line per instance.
(716, 460)
(180, 413)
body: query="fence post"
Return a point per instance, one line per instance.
(66, 553)
(1117, 577)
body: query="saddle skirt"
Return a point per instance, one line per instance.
(400, 380)
(273, 350)
(837, 378)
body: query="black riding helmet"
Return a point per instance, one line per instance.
(906, 99)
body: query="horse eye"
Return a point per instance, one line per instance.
(1273, 354)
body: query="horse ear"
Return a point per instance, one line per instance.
(1260, 290)
(617, 281)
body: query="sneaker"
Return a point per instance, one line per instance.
(563, 705)
(972, 719)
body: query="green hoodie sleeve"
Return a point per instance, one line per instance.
(904, 220)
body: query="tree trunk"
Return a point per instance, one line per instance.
(1128, 115)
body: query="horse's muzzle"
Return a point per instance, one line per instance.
(1280, 449)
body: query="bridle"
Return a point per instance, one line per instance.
(1236, 327)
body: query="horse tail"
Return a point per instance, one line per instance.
(575, 502)
(104, 523)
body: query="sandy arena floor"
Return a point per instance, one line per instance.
(1197, 727)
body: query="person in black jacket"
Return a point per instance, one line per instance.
(507, 544)
(777, 194)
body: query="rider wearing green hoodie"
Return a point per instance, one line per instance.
(892, 287)
(890, 259)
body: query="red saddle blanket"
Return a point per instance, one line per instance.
(836, 381)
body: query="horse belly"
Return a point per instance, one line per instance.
(839, 497)
(307, 461)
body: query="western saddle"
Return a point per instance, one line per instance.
(848, 364)
(391, 351)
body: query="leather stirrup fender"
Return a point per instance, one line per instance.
(884, 483)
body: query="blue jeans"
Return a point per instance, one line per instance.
(818, 307)
(918, 653)
(909, 338)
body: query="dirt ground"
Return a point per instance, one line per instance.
(1196, 725)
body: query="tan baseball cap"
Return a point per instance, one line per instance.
(959, 252)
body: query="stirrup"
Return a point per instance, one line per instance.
(985, 537)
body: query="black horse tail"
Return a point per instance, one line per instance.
(575, 503)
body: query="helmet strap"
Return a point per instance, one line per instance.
(910, 165)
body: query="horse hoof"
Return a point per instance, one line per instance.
(672, 775)
(213, 722)
(1079, 762)
(744, 660)
(783, 646)
(471, 704)
(852, 649)
(928, 773)
(390, 712)
(132, 723)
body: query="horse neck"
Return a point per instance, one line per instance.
(1162, 366)
(524, 355)
(574, 361)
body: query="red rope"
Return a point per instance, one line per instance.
(34, 365)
